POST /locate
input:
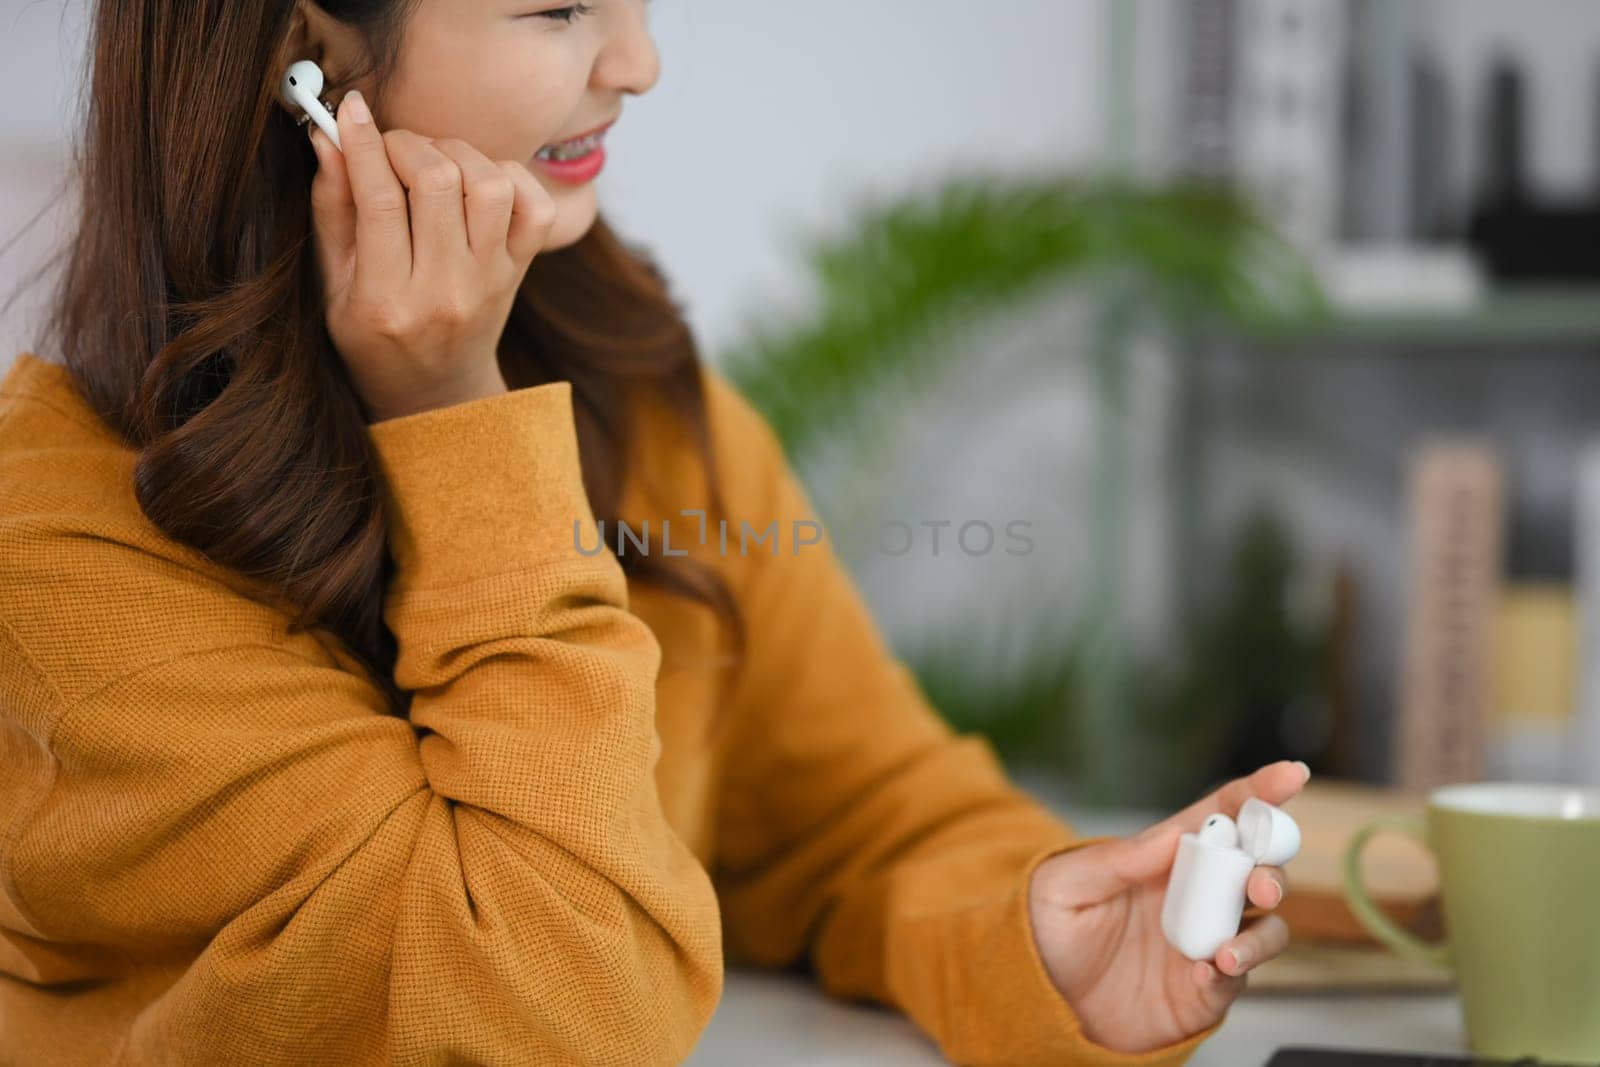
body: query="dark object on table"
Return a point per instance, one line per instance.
(1549, 242)
(1316, 1057)
(1521, 236)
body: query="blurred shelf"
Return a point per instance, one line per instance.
(1507, 315)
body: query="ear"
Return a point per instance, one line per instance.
(316, 35)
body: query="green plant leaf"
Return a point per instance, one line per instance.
(916, 269)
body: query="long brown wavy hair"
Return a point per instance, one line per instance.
(189, 313)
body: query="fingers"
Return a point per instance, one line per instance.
(1220, 982)
(1147, 855)
(1258, 942)
(490, 195)
(507, 210)
(438, 215)
(1150, 854)
(333, 211)
(1266, 887)
(383, 224)
(396, 206)
(1274, 783)
(532, 215)
(1218, 990)
(1100, 869)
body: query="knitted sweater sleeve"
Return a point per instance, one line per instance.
(490, 882)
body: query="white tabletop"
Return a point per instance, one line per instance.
(782, 1019)
(777, 1019)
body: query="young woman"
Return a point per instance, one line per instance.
(328, 733)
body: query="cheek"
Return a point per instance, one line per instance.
(514, 121)
(548, 106)
(526, 93)
(503, 95)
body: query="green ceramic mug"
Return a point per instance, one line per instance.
(1519, 878)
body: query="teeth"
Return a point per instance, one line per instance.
(570, 149)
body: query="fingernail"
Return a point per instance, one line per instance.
(1305, 772)
(1277, 895)
(1239, 956)
(357, 108)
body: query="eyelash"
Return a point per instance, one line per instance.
(567, 14)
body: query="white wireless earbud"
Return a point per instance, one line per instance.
(1205, 894)
(1267, 833)
(302, 88)
(1220, 830)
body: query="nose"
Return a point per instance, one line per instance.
(629, 61)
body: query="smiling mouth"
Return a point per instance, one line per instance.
(576, 147)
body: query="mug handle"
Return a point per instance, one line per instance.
(1379, 925)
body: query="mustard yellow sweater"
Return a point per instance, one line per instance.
(216, 849)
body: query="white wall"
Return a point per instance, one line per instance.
(42, 46)
(1556, 43)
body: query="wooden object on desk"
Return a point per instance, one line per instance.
(1457, 515)
(1399, 874)
(1330, 950)
(1313, 968)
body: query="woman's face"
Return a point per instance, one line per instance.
(510, 77)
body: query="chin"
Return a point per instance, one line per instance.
(575, 216)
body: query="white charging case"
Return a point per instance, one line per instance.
(1206, 892)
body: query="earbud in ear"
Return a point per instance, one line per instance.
(1219, 830)
(302, 88)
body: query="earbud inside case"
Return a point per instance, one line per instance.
(1206, 891)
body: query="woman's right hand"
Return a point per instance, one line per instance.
(422, 245)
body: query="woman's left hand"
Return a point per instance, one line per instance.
(1096, 915)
